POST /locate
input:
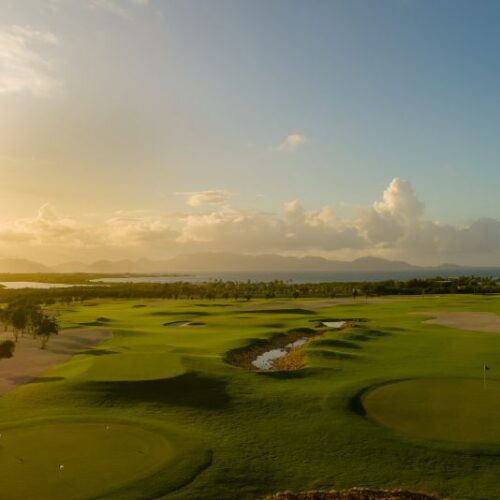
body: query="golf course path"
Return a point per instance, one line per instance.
(29, 361)
(473, 321)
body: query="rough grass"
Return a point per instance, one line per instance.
(294, 360)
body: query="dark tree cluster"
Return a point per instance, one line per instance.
(27, 318)
(233, 290)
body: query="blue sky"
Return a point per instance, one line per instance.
(142, 100)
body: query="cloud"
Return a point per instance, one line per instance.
(207, 197)
(393, 226)
(48, 227)
(293, 142)
(399, 200)
(254, 231)
(115, 7)
(138, 231)
(388, 219)
(109, 6)
(23, 68)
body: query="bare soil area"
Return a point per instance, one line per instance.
(474, 321)
(29, 361)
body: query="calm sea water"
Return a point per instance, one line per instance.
(289, 276)
(308, 277)
(31, 284)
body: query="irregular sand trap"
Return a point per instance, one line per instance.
(265, 361)
(29, 361)
(183, 324)
(475, 321)
(353, 494)
(335, 324)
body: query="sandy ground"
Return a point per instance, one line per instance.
(29, 361)
(475, 321)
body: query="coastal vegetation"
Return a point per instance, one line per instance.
(239, 290)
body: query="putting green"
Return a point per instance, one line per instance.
(456, 409)
(78, 460)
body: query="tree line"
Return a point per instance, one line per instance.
(26, 318)
(233, 290)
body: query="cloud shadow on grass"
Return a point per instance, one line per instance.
(280, 311)
(190, 389)
(98, 352)
(336, 343)
(297, 374)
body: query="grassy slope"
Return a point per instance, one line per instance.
(271, 432)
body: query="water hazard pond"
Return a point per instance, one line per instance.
(283, 351)
(265, 361)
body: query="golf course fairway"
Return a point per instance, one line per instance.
(390, 401)
(459, 410)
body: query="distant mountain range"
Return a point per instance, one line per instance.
(219, 262)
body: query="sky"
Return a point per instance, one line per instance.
(339, 128)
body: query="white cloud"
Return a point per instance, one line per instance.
(393, 227)
(23, 67)
(294, 211)
(207, 197)
(389, 219)
(399, 200)
(293, 142)
(109, 6)
(48, 227)
(253, 231)
(118, 8)
(123, 230)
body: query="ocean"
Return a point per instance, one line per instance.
(310, 276)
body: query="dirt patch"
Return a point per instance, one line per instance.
(475, 321)
(29, 361)
(353, 494)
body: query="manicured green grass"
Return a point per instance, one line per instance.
(241, 434)
(460, 410)
(78, 460)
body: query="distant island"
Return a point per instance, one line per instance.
(224, 262)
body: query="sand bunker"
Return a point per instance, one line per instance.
(281, 352)
(353, 494)
(30, 361)
(475, 321)
(184, 323)
(335, 324)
